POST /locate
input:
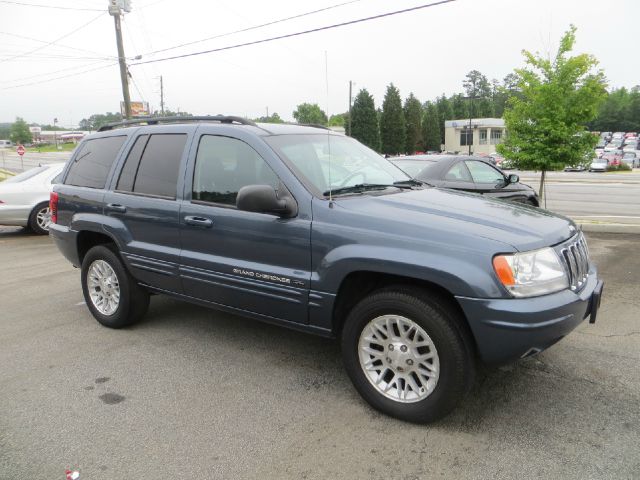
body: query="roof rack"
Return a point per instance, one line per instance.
(180, 119)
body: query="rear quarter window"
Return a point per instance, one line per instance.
(93, 162)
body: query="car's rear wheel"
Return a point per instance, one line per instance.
(113, 296)
(40, 219)
(407, 353)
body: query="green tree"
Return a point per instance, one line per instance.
(310, 113)
(338, 120)
(546, 127)
(273, 118)
(431, 128)
(96, 120)
(364, 120)
(445, 113)
(459, 107)
(413, 121)
(20, 132)
(392, 125)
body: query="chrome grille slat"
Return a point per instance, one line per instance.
(575, 256)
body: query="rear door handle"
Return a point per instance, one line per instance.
(198, 221)
(116, 207)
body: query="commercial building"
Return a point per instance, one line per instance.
(482, 134)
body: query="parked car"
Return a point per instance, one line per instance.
(617, 135)
(631, 159)
(469, 174)
(6, 144)
(599, 165)
(574, 168)
(24, 198)
(418, 283)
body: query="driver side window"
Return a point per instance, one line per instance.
(458, 173)
(483, 173)
(223, 166)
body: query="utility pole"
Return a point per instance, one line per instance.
(161, 96)
(350, 97)
(115, 9)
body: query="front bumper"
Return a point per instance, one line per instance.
(508, 329)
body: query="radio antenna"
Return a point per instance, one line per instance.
(326, 76)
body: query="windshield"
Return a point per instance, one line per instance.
(413, 167)
(25, 175)
(330, 161)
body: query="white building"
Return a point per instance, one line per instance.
(482, 134)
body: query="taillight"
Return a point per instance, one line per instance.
(53, 206)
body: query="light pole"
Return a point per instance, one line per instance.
(55, 132)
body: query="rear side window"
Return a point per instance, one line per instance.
(128, 173)
(93, 162)
(152, 165)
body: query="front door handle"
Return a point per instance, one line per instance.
(116, 207)
(198, 221)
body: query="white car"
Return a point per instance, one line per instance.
(24, 199)
(599, 165)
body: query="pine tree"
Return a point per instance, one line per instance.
(444, 113)
(364, 120)
(431, 128)
(413, 118)
(392, 124)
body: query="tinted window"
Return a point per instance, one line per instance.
(483, 173)
(158, 170)
(128, 173)
(223, 166)
(93, 162)
(412, 167)
(458, 173)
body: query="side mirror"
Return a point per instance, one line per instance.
(263, 199)
(513, 178)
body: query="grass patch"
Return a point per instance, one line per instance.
(62, 147)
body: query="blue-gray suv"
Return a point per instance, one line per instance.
(306, 228)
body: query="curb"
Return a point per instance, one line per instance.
(605, 227)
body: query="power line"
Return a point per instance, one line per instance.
(51, 6)
(24, 54)
(253, 27)
(57, 44)
(40, 75)
(60, 77)
(296, 34)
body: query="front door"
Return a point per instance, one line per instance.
(491, 181)
(249, 261)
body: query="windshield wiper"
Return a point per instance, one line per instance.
(412, 182)
(362, 187)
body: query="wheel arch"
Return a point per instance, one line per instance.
(359, 284)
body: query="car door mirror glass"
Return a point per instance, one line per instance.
(513, 178)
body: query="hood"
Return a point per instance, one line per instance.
(521, 226)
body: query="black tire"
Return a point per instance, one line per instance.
(134, 300)
(33, 219)
(442, 323)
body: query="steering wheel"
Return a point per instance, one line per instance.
(353, 175)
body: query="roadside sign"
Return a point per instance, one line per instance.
(20, 150)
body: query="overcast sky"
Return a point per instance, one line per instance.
(427, 52)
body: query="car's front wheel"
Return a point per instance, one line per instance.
(113, 296)
(407, 353)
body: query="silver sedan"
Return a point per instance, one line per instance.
(24, 199)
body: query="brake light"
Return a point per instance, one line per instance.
(53, 207)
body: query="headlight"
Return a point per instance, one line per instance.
(530, 274)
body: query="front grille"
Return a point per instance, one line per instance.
(575, 256)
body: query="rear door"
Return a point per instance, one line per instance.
(144, 200)
(245, 260)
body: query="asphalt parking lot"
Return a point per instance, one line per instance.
(192, 393)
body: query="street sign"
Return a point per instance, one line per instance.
(20, 150)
